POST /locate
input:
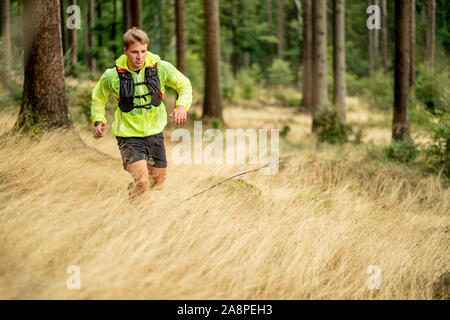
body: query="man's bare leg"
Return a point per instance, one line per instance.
(158, 176)
(140, 174)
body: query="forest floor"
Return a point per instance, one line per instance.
(310, 231)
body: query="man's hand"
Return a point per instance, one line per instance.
(98, 131)
(179, 115)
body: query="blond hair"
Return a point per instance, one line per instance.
(134, 35)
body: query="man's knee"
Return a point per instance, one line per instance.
(158, 175)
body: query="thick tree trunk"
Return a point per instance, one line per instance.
(384, 39)
(270, 25)
(62, 14)
(6, 43)
(412, 45)
(86, 35)
(307, 57)
(136, 13)
(181, 43)
(212, 105)
(93, 62)
(431, 25)
(73, 40)
(320, 88)
(280, 29)
(400, 125)
(44, 103)
(339, 56)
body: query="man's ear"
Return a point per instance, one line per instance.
(124, 50)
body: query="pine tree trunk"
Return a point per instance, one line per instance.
(86, 35)
(136, 13)
(339, 56)
(62, 14)
(234, 38)
(320, 88)
(6, 43)
(162, 33)
(384, 39)
(412, 44)
(280, 29)
(44, 103)
(212, 106)
(270, 25)
(431, 25)
(376, 46)
(126, 7)
(93, 62)
(307, 58)
(73, 40)
(400, 125)
(371, 46)
(181, 43)
(99, 16)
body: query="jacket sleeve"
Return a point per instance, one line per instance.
(100, 96)
(180, 83)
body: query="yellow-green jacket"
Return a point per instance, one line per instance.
(139, 122)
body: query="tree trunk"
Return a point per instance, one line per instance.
(270, 25)
(234, 38)
(384, 39)
(86, 35)
(212, 106)
(320, 88)
(431, 25)
(112, 35)
(371, 51)
(339, 56)
(73, 40)
(400, 125)
(307, 58)
(412, 44)
(181, 46)
(136, 13)
(99, 16)
(6, 43)
(126, 7)
(62, 14)
(280, 29)
(162, 33)
(376, 46)
(93, 63)
(44, 103)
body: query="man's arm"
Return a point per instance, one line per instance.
(100, 95)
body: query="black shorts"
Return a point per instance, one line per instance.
(150, 148)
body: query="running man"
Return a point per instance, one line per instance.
(138, 83)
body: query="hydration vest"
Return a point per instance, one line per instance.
(127, 89)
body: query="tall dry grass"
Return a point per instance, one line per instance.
(308, 232)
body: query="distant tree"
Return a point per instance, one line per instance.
(307, 58)
(431, 25)
(126, 7)
(73, 40)
(280, 28)
(270, 25)
(400, 125)
(6, 42)
(412, 45)
(371, 49)
(212, 105)
(339, 55)
(181, 42)
(44, 103)
(136, 13)
(320, 83)
(99, 16)
(384, 38)
(62, 14)
(92, 60)
(86, 35)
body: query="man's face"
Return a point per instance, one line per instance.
(136, 53)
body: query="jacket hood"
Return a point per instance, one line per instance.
(150, 60)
